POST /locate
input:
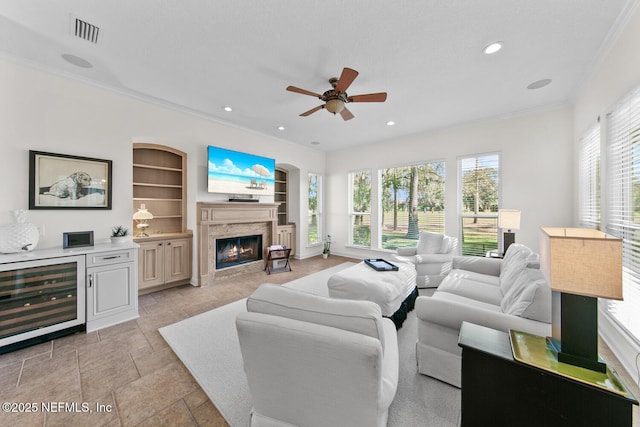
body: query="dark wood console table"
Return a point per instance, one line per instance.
(498, 390)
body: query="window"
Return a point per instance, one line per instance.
(589, 177)
(360, 185)
(623, 205)
(315, 209)
(479, 194)
(412, 200)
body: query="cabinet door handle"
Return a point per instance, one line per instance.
(112, 257)
(169, 243)
(159, 244)
(90, 280)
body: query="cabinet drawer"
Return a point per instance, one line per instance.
(110, 257)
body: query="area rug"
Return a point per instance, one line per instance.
(207, 344)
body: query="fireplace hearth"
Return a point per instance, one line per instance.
(238, 250)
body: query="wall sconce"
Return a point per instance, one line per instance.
(509, 219)
(581, 264)
(142, 217)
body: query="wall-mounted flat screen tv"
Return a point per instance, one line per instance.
(233, 172)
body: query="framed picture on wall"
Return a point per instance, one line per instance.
(60, 181)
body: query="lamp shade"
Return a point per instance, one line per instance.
(582, 261)
(509, 219)
(142, 214)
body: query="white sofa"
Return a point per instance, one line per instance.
(316, 361)
(499, 294)
(431, 256)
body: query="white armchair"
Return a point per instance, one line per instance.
(432, 257)
(316, 361)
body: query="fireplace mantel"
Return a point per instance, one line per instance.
(231, 219)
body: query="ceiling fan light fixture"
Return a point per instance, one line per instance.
(335, 106)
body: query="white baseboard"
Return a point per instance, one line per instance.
(624, 347)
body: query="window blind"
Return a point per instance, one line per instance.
(623, 204)
(589, 177)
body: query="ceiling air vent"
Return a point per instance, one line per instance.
(85, 30)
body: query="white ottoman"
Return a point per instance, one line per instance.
(393, 291)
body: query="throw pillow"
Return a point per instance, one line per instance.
(429, 243)
(529, 297)
(514, 262)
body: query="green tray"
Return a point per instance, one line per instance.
(539, 352)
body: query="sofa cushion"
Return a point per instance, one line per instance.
(529, 296)
(515, 260)
(474, 286)
(429, 243)
(476, 277)
(363, 317)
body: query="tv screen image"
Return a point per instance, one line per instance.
(233, 172)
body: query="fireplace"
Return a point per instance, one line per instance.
(228, 220)
(238, 250)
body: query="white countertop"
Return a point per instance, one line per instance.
(57, 252)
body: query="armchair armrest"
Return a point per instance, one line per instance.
(490, 266)
(432, 258)
(409, 251)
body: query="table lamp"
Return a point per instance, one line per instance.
(509, 219)
(581, 265)
(142, 217)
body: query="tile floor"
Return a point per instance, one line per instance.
(126, 375)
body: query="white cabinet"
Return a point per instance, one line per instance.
(112, 294)
(164, 262)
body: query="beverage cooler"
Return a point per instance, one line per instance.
(41, 299)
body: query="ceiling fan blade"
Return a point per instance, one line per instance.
(346, 114)
(347, 77)
(302, 91)
(370, 97)
(313, 110)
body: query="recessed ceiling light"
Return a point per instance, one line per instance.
(492, 48)
(315, 143)
(227, 109)
(76, 60)
(280, 127)
(538, 84)
(391, 123)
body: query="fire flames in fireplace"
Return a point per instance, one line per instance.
(238, 250)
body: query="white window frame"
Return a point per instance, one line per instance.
(460, 214)
(622, 153)
(319, 214)
(353, 213)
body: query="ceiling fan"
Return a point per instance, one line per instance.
(336, 98)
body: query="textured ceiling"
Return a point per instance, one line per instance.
(427, 55)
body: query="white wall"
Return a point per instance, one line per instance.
(46, 112)
(536, 170)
